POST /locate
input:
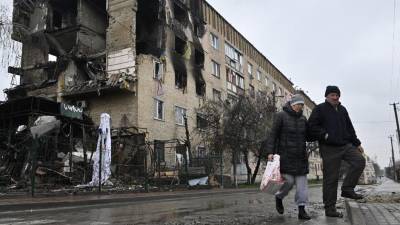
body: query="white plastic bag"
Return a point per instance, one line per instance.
(272, 181)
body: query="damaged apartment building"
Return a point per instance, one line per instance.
(147, 63)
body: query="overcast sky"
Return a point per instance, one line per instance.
(334, 42)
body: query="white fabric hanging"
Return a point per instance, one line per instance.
(104, 143)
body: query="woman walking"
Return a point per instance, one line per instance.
(288, 139)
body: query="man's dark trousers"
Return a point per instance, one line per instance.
(331, 159)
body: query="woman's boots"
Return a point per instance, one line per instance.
(303, 214)
(279, 205)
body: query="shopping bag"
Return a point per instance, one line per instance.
(272, 181)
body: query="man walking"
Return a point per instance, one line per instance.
(330, 124)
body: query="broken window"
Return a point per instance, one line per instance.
(180, 79)
(159, 149)
(201, 151)
(158, 70)
(158, 109)
(180, 114)
(181, 14)
(216, 95)
(234, 80)
(180, 45)
(62, 14)
(232, 99)
(57, 20)
(199, 57)
(180, 71)
(149, 32)
(215, 68)
(252, 92)
(200, 86)
(201, 121)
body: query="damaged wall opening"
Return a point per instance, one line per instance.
(180, 45)
(199, 58)
(149, 32)
(62, 14)
(180, 14)
(180, 79)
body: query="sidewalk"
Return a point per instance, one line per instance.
(382, 205)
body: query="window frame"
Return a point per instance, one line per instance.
(250, 69)
(217, 66)
(159, 154)
(214, 41)
(217, 92)
(181, 116)
(160, 74)
(258, 75)
(156, 109)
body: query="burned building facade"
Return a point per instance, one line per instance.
(147, 63)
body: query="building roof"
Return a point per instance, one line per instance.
(245, 46)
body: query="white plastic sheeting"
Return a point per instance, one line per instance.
(103, 143)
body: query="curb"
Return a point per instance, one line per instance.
(70, 202)
(354, 213)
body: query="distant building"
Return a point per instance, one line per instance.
(368, 176)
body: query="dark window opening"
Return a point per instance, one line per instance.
(252, 91)
(201, 121)
(201, 152)
(180, 79)
(148, 30)
(199, 58)
(159, 149)
(216, 95)
(25, 19)
(57, 20)
(181, 14)
(200, 88)
(196, 30)
(180, 45)
(62, 14)
(158, 71)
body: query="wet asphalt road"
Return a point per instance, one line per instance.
(234, 208)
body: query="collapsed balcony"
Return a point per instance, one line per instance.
(116, 82)
(73, 32)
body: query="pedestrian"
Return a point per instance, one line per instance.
(330, 124)
(288, 139)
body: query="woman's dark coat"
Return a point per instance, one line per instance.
(288, 139)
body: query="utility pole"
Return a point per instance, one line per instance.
(394, 162)
(397, 122)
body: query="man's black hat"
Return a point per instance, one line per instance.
(332, 89)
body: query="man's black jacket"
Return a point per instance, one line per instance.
(325, 119)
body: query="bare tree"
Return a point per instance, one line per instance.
(10, 50)
(239, 126)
